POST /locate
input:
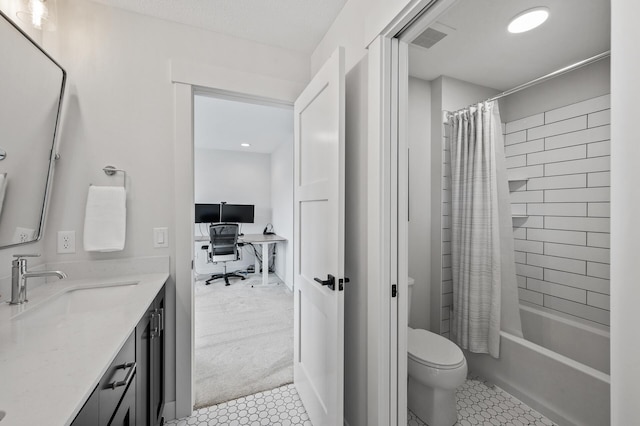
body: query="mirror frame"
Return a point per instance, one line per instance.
(53, 156)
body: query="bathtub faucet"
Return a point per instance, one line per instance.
(19, 275)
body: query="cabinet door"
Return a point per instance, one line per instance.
(150, 358)
(125, 415)
(143, 344)
(115, 382)
(157, 360)
(89, 415)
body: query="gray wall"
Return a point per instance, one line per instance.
(625, 206)
(282, 208)
(236, 178)
(356, 241)
(420, 201)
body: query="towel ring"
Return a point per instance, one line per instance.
(111, 170)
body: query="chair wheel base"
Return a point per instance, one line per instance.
(226, 277)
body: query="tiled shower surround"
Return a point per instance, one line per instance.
(558, 167)
(562, 243)
(447, 282)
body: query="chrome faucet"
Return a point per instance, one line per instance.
(19, 275)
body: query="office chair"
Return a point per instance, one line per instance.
(224, 248)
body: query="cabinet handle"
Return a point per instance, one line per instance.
(154, 325)
(127, 378)
(161, 319)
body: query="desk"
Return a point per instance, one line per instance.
(261, 239)
(264, 241)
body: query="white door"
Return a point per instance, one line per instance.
(319, 243)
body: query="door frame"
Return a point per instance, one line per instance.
(388, 204)
(386, 260)
(188, 79)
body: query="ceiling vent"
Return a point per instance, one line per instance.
(429, 38)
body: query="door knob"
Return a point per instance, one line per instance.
(330, 281)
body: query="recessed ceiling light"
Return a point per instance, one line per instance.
(528, 20)
(246, 145)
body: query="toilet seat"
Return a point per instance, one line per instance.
(433, 350)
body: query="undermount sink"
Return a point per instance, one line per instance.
(81, 300)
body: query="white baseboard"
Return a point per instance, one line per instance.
(289, 285)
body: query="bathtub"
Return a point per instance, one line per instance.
(567, 380)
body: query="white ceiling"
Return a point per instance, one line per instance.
(291, 24)
(478, 48)
(225, 124)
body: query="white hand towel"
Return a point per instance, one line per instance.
(105, 220)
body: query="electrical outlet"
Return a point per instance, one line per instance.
(23, 235)
(66, 241)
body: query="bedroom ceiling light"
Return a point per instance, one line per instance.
(246, 145)
(528, 20)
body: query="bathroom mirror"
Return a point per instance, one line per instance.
(31, 89)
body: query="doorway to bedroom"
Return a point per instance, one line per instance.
(243, 246)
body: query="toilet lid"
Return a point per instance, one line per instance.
(434, 350)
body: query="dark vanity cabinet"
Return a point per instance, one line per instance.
(150, 342)
(125, 415)
(111, 402)
(131, 392)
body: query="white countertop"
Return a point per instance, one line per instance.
(50, 363)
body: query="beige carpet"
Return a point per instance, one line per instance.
(243, 339)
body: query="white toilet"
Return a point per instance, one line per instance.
(437, 367)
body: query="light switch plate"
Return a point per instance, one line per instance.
(160, 237)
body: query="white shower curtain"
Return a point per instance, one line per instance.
(484, 282)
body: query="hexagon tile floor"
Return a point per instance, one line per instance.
(478, 403)
(277, 407)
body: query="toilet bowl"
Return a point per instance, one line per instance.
(436, 368)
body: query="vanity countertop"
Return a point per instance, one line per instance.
(50, 361)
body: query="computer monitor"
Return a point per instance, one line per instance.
(237, 213)
(207, 213)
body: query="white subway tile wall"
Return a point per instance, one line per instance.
(524, 123)
(562, 248)
(447, 283)
(575, 111)
(580, 137)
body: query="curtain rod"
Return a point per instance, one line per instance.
(551, 75)
(539, 80)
